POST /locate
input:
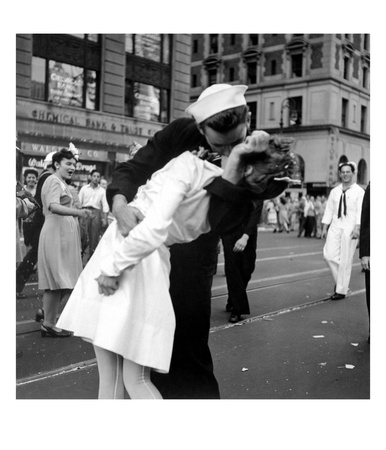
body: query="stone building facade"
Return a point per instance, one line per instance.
(106, 94)
(313, 87)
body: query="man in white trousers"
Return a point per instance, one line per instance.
(342, 218)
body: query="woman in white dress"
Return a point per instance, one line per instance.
(121, 302)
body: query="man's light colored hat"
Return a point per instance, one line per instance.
(352, 164)
(215, 99)
(48, 158)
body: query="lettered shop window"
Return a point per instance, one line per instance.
(64, 84)
(146, 102)
(156, 47)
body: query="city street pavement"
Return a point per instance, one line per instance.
(295, 344)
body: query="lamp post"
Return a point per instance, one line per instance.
(291, 105)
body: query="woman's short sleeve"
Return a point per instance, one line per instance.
(52, 191)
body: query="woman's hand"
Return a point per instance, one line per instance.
(107, 285)
(83, 213)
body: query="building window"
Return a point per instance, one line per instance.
(212, 76)
(362, 172)
(346, 68)
(273, 66)
(146, 102)
(213, 43)
(64, 84)
(344, 112)
(194, 80)
(354, 113)
(195, 45)
(65, 70)
(38, 78)
(87, 37)
(297, 65)
(252, 73)
(366, 42)
(365, 77)
(301, 167)
(155, 47)
(231, 74)
(295, 111)
(253, 110)
(253, 39)
(363, 119)
(148, 77)
(272, 111)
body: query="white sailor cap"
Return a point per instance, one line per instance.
(215, 99)
(351, 164)
(48, 158)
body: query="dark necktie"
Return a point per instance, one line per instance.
(342, 200)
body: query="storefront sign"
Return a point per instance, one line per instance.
(42, 150)
(85, 119)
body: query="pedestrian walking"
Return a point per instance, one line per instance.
(319, 212)
(342, 216)
(93, 197)
(59, 254)
(283, 215)
(293, 206)
(272, 210)
(132, 331)
(364, 246)
(309, 215)
(240, 260)
(302, 218)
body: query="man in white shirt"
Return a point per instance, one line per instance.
(343, 215)
(93, 197)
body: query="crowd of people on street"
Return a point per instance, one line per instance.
(171, 208)
(295, 212)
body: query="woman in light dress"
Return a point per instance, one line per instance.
(59, 256)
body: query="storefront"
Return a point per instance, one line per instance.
(103, 140)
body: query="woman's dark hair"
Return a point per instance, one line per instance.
(30, 172)
(62, 154)
(226, 120)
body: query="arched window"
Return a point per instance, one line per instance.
(362, 172)
(301, 169)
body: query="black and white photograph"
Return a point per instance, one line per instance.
(193, 224)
